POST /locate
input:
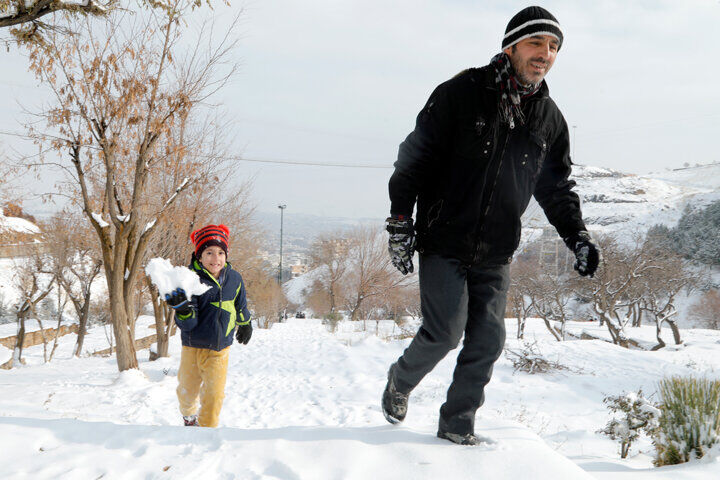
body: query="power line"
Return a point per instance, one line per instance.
(312, 164)
(244, 159)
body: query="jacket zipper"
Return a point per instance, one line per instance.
(476, 257)
(217, 317)
(492, 191)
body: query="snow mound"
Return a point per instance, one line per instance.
(18, 225)
(5, 354)
(168, 278)
(132, 378)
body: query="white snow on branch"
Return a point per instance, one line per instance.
(168, 278)
(177, 190)
(12, 9)
(98, 218)
(123, 218)
(149, 225)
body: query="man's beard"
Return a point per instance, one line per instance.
(520, 75)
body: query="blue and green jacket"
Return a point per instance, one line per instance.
(215, 313)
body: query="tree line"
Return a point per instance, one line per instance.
(640, 280)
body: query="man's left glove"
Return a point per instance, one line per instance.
(401, 244)
(243, 333)
(587, 254)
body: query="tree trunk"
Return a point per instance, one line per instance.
(57, 335)
(83, 315)
(20, 338)
(552, 330)
(44, 340)
(521, 327)
(126, 355)
(163, 320)
(675, 331)
(661, 342)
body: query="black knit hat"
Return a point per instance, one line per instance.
(531, 21)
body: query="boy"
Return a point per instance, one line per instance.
(206, 323)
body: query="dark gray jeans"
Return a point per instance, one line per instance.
(457, 299)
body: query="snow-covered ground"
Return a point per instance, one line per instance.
(303, 403)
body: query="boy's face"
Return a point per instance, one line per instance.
(213, 259)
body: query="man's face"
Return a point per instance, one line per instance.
(532, 57)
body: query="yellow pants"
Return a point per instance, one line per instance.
(202, 374)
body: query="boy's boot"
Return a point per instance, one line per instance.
(394, 403)
(191, 421)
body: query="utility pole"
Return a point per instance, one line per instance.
(282, 209)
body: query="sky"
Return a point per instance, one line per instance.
(341, 81)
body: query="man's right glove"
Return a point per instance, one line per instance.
(587, 254)
(243, 333)
(401, 244)
(178, 300)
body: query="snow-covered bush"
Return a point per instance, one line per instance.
(637, 415)
(690, 420)
(531, 360)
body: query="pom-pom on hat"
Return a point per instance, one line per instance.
(531, 21)
(218, 235)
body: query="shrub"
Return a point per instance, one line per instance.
(639, 415)
(530, 360)
(690, 420)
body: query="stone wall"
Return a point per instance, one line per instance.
(35, 337)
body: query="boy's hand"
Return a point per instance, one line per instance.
(178, 301)
(243, 333)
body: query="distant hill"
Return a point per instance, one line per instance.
(613, 201)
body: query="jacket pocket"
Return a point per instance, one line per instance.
(474, 138)
(433, 214)
(534, 159)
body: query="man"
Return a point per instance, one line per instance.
(486, 141)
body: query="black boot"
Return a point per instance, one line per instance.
(463, 439)
(394, 403)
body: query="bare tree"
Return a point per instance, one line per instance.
(660, 289)
(121, 86)
(613, 289)
(329, 254)
(520, 304)
(23, 17)
(33, 286)
(75, 263)
(268, 301)
(370, 272)
(707, 309)
(17, 12)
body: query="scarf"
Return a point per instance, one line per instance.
(511, 91)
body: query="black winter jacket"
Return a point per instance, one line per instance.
(472, 176)
(215, 313)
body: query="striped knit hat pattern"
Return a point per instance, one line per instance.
(531, 21)
(218, 235)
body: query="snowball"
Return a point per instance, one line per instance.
(167, 278)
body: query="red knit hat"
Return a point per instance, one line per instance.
(218, 235)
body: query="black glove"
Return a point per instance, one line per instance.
(243, 333)
(179, 302)
(401, 244)
(587, 254)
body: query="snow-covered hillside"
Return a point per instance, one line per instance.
(17, 225)
(613, 201)
(302, 403)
